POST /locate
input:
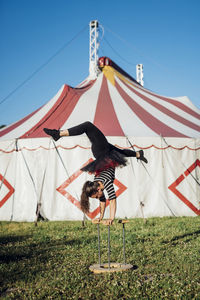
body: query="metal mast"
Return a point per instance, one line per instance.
(94, 45)
(139, 74)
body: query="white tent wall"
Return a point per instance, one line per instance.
(63, 162)
(40, 173)
(7, 180)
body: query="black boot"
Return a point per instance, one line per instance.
(142, 157)
(52, 132)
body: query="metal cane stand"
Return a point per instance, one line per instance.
(110, 267)
(109, 247)
(123, 232)
(99, 250)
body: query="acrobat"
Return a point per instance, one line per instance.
(107, 158)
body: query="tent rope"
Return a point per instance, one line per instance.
(3, 151)
(141, 202)
(29, 172)
(195, 179)
(39, 204)
(135, 50)
(61, 158)
(153, 181)
(13, 198)
(42, 66)
(65, 168)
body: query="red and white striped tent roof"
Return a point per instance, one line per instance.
(116, 104)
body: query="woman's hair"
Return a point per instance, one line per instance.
(89, 189)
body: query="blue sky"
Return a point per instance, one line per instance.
(164, 35)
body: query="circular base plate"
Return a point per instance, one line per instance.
(114, 267)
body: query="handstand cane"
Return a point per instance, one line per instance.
(99, 250)
(123, 224)
(109, 247)
(124, 244)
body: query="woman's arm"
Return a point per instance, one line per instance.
(112, 212)
(113, 206)
(102, 209)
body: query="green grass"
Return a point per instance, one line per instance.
(51, 261)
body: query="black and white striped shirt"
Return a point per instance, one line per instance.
(107, 178)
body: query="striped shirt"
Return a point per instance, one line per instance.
(107, 178)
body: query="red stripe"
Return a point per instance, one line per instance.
(10, 188)
(60, 112)
(156, 125)
(15, 125)
(192, 167)
(70, 148)
(165, 110)
(105, 117)
(174, 185)
(174, 102)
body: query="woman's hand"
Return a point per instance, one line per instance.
(107, 222)
(104, 222)
(96, 221)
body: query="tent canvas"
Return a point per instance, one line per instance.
(36, 170)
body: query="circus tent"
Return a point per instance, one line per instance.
(37, 173)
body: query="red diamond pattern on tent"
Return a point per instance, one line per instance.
(173, 186)
(62, 189)
(10, 192)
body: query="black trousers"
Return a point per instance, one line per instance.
(100, 145)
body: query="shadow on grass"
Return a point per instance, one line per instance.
(28, 250)
(193, 236)
(22, 260)
(4, 240)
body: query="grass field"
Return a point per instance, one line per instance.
(51, 261)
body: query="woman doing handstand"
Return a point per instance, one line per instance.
(107, 158)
